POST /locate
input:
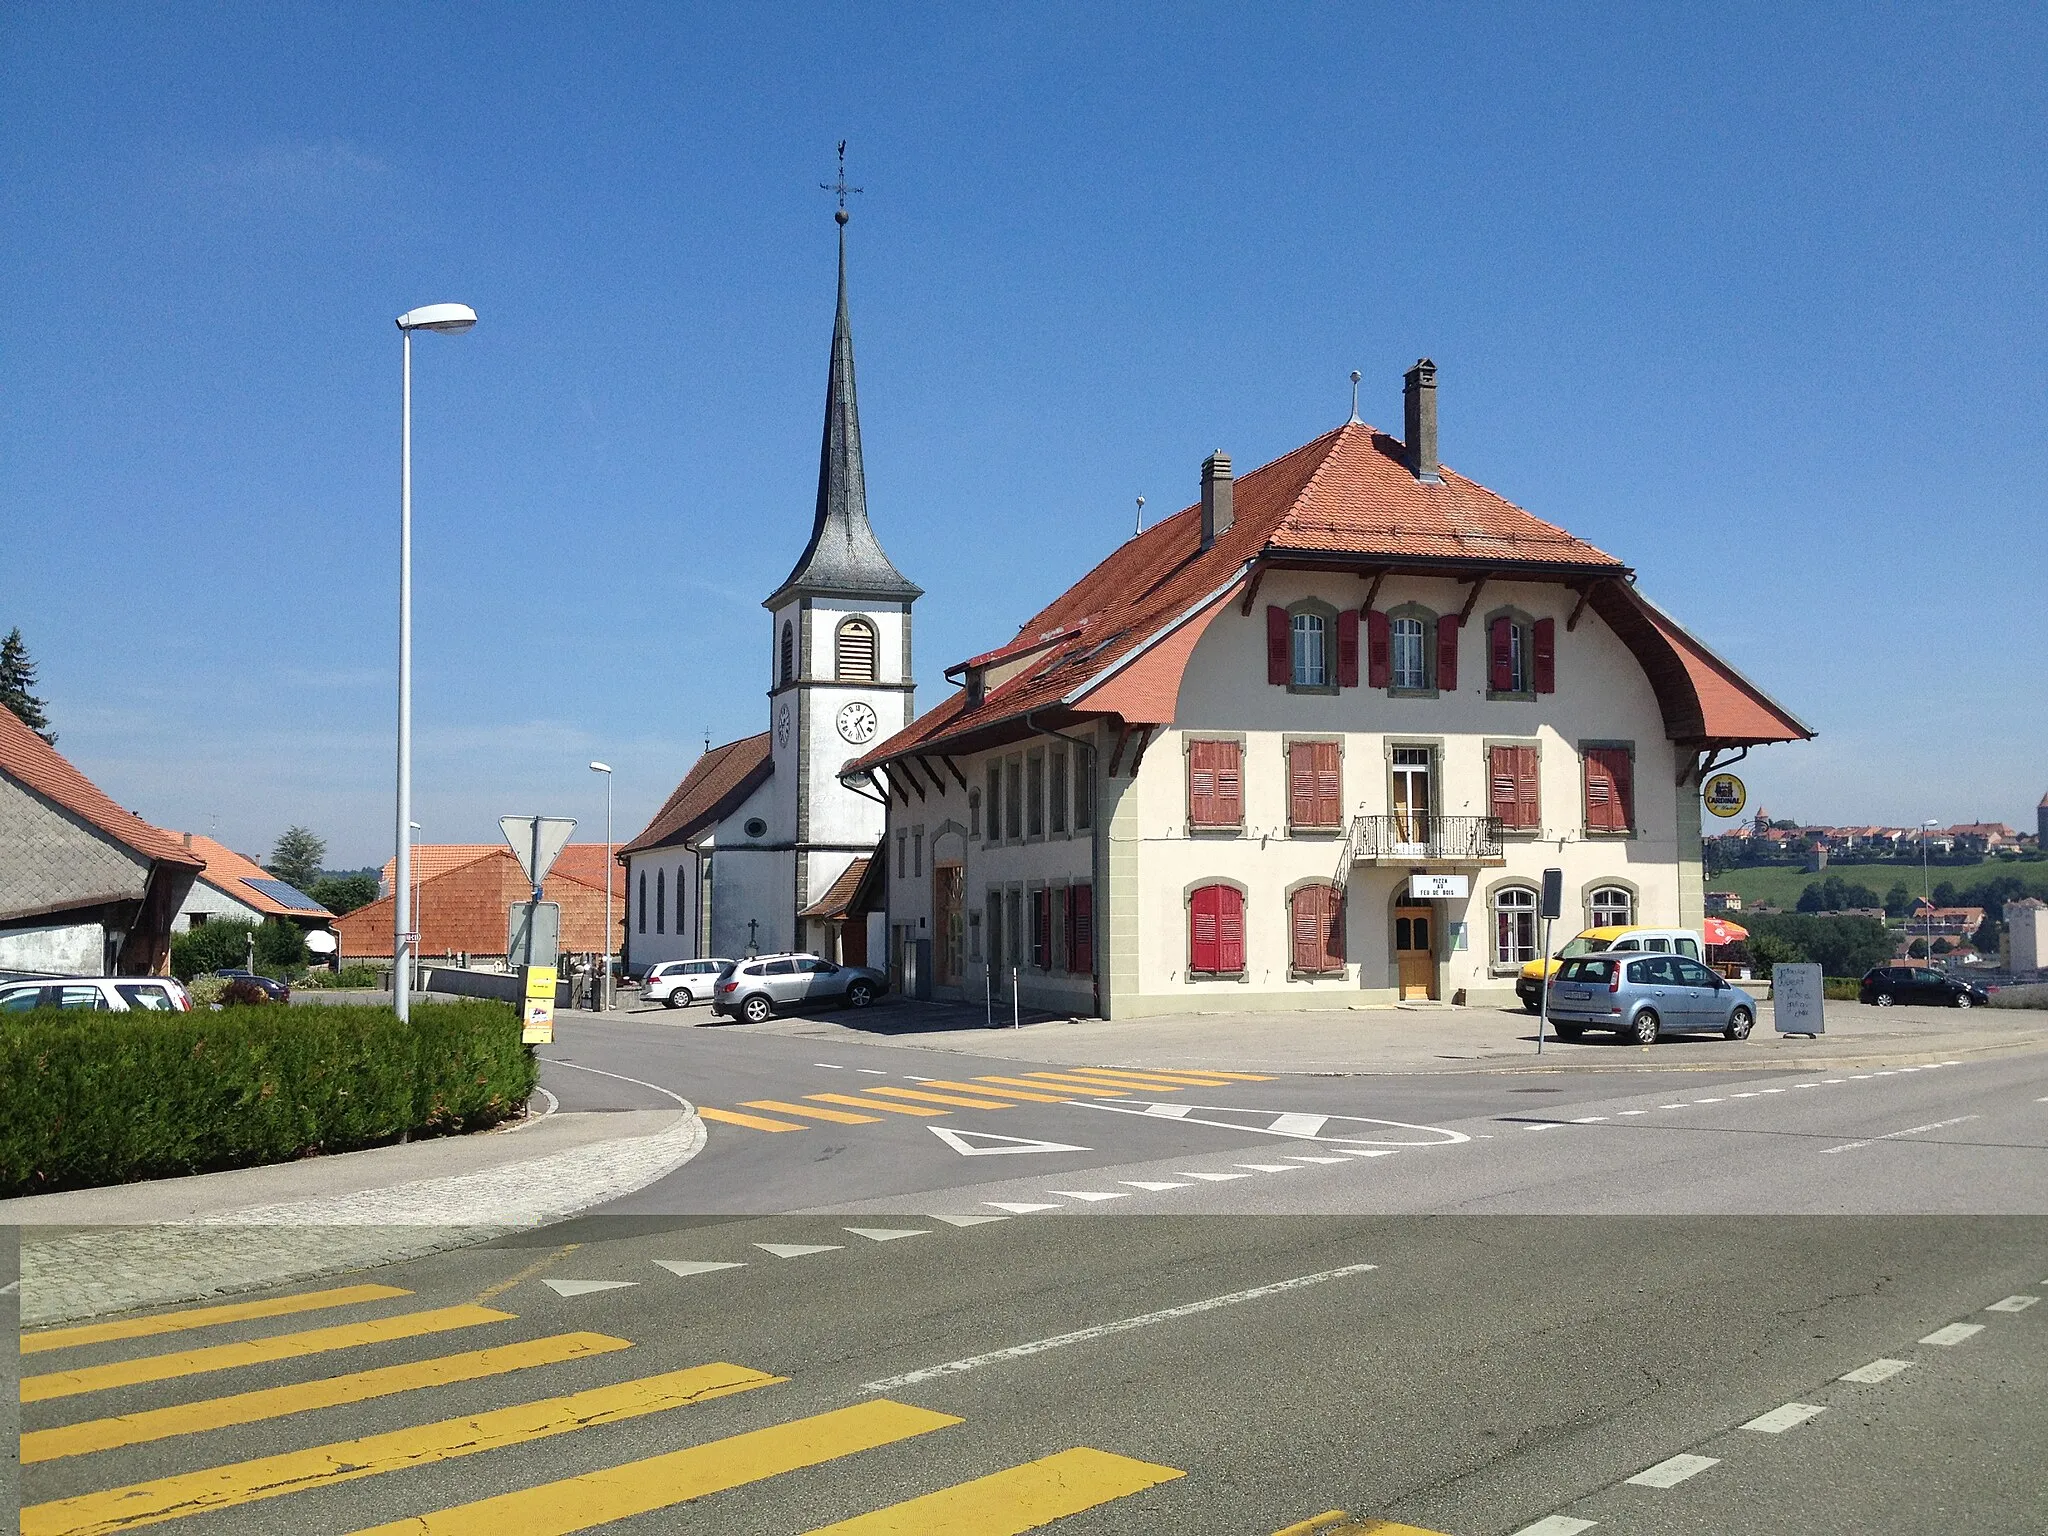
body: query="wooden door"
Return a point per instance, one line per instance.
(949, 922)
(1415, 950)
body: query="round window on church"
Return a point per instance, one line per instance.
(756, 827)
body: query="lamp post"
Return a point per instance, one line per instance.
(605, 990)
(1927, 888)
(431, 317)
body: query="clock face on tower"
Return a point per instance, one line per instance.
(782, 726)
(857, 722)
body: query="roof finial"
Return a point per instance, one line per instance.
(1354, 400)
(1141, 518)
(839, 187)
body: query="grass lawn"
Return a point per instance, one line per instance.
(1780, 885)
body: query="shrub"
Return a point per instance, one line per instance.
(359, 976)
(206, 990)
(104, 1098)
(213, 946)
(1844, 946)
(281, 948)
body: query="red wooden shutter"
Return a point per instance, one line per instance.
(1202, 929)
(1333, 929)
(1229, 928)
(1528, 796)
(1546, 655)
(1301, 784)
(1229, 784)
(1447, 653)
(1279, 654)
(1202, 783)
(1347, 649)
(1503, 796)
(1500, 676)
(1041, 928)
(1081, 916)
(1307, 925)
(1621, 769)
(1379, 646)
(1604, 809)
(1329, 808)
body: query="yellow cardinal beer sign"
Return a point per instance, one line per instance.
(1724, 795)
(538, 1012)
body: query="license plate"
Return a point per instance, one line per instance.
(1578, 992)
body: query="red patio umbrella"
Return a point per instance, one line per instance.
(1720, 931)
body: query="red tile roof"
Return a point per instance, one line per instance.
(229, 871)
(1116, 641)
(581, 862)
(716, 783)
(836, 900)
(32, 762)
(463, 909)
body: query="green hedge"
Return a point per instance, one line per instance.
(104, 1098)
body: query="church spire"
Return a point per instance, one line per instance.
(844, 558)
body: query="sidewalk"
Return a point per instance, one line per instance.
(1406, 1039)
(92, 1251)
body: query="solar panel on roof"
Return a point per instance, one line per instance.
(285, 895)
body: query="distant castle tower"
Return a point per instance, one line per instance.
(2041, 821)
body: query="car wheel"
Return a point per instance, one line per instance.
(755, 1010)
(1964, 1000)
(859, 994)
(1883, 999)
(1739, 1024)
(1566, 1031)
(1529, 1007)
(1643, 1028)
(675, 999)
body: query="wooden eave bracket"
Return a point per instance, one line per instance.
(954, 769)
(1579, 608)
(1144, 741)
(1372, 592)
(1123, 734)
(937, 783)
(1251, 591)
(1472, 598)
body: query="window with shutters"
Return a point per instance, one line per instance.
(1310, 632)
(1013, 799)
(1216, 785)
(1306, 647)
(1315, 786)
(1041, 928)
(1315, 925)
(1610, 787)
(853, 652)
(1034, 795)
(1216, 931)
(1610, 906)
(1514, 926)
(1081, 930)
(1084, 788)
(993, 798)
(994, 909)
(1056, 939)
(1056, 792)
(1512, 792)
(1410, 633)
(787, 672)
(1507, 652)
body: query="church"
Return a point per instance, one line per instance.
(761, 847)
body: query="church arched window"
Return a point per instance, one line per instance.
(853, 652)
(788, 672)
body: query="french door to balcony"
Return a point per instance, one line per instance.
(1413, 805)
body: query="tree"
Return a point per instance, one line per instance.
(1843, 946)
(17, 682)
(280, 949)
(296, 858)
(1898, 901)
(1835, 894)
(1917, 950)
(1985, 939)
(1941, 947)
(342, 894)
(1946, 895)
(215, 946)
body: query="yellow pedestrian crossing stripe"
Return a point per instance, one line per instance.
(331, 1392)
(204, 1317)
(222, 1357)
(990, 1091)
(1016, 1499)
(269, 1477)
(1020, 1499)
(635, 1488)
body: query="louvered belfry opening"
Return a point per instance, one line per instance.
(853, 659)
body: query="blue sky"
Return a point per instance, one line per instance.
(1751, 296)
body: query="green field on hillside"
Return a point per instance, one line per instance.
(1780, 885)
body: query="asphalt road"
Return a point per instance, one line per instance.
(1624, 1302)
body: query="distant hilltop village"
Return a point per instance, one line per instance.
(1974, 838)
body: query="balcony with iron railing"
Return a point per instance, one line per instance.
(1422, 837)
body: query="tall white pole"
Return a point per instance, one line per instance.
(609, 865)
(401, 884)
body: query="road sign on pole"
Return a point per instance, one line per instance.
(536, 841)
(1552, 909)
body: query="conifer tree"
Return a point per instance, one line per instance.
(17, 685)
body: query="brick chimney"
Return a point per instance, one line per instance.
(1219, 508)
(1418, 412)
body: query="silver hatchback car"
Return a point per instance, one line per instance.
(1640, 997)
(754, 989)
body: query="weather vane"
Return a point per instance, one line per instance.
(839, 188)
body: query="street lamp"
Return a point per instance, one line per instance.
(431, 317)
(1927, 887)
(605, 994)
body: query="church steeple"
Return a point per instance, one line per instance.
(844, 558)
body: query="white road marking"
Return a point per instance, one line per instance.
(1269, 1167)
(1090, 1194)
(1860, 1077)
(1548, 1125)
(1557, 1525)
(1018, 1207)
(1830, 1081)
(1292, 1158)
(988, 1144)
(688, 1267)
(1635, 1111)
(1878, 1370)
(797, 1250)
(1168, 1111)
(2013, 1304)
(1706, 1101)
(1806, 1085)
(1291, 1124)
(1911, 1130)
(1154, 1185)
(1372, 1151)
(1103, 1330)
(1589, 1119)
(872, 1071)
(585, 1287)
(1954, 1333)
(1299, 1125)
(1779, 1090)
(973, 1219)
(829, 1066)
(889, 1234)
(1214, 1178)
(1740, 1096)
(1674, 1106)
(1789, 1416)
(1669, 1474)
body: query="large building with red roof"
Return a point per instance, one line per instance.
(1309, 742)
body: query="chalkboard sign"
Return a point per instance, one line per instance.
(1797, 1000)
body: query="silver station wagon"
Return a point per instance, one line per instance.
(754, 989)
(1640, 997)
